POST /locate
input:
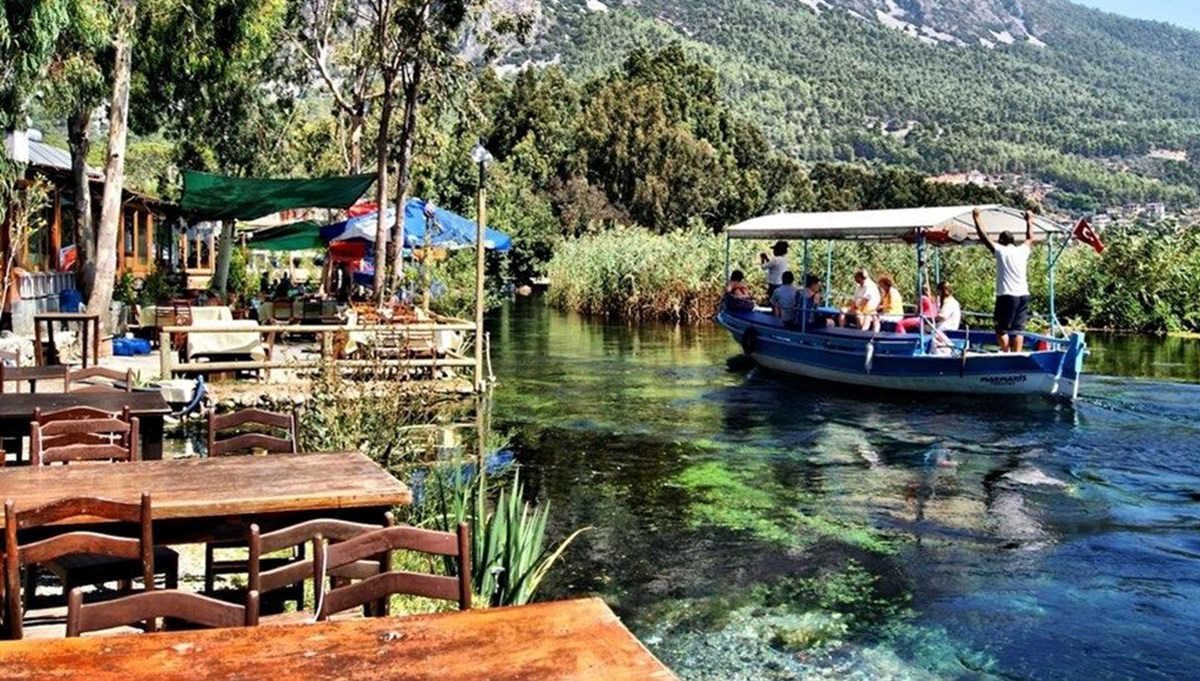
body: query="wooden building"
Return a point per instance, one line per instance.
(145, 237)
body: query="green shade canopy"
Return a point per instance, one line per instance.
(219, 197)
(296, 236)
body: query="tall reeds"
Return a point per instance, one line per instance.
(633, 274)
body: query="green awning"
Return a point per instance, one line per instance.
(296, 236)
(219, 197)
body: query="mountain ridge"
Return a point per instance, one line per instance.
(1074, 96)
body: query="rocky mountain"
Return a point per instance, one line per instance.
(1098, 108)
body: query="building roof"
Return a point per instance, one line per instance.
(49, 156)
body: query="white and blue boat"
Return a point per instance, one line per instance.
(969, 364)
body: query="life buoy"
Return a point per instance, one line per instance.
(749, 341)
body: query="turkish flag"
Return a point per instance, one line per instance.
(1085, 233)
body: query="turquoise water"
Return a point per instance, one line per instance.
(735, 518)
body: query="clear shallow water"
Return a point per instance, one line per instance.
(1034, 540)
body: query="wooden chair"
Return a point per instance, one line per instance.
(77, 557)
(281, 311)
(82, 434)
(334, 557)
(267, 574)
(150, 605)
(177, 313)
(243, 442)
(84, 376)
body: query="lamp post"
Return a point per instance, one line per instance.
(481, 156)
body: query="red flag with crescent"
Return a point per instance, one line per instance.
(1085, 233)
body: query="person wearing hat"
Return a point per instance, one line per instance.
(775, 266)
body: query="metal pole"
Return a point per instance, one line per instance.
(727, 247)
(481, 214)
(1050, 275)
(805, 273)
(828, 269)
(920, 289)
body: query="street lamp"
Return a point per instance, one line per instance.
(481, 156)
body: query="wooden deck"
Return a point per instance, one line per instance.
(577, 640)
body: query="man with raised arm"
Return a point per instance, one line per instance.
(1012, 286)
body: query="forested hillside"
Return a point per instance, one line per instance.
(1072, 96)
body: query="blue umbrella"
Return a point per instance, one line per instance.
(450, 230)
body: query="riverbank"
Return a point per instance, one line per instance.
(1144, 282)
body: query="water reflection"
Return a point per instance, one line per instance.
(1018, 526)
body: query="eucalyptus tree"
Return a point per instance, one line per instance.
(75, 88)
(333, 38)
(209, 78)
(114, 170)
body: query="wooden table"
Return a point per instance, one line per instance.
(16, 413)
(91, 328)
(198, 500)
(559, 640)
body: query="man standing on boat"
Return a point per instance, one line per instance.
(1012, 286)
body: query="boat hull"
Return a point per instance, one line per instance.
(894, 362)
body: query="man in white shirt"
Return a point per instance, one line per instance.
(1012, 287)
(866, 301)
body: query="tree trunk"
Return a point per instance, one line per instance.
(79, 139)
(356, 130)
(381, 186)
(220, 280)
(114, 171)
(395, 249)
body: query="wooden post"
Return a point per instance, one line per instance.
(121, 241)
(479, 232)
(56, 232)
(164, 354)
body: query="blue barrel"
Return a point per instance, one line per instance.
(70, 300)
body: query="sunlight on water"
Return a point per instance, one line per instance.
(750, 529)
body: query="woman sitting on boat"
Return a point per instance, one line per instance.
(929, 311)
(891, 303)
(737, 294)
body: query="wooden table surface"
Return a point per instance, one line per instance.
(190, 498)
(16, 412)
(560, 640)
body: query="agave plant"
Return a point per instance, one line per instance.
(509, 556)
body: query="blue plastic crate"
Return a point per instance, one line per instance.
(131, 346)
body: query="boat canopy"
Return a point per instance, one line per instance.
(940, 225)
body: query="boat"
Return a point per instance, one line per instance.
(962, 362)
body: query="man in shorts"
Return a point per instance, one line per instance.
(1012, 286)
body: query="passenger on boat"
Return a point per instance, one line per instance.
(1012, 287)
(775, 265)
(866, 301)
(891, 303)
(783, 299)
(808, 303)
(737, 295)
(949, 318)
(949, 315)
(929, 310)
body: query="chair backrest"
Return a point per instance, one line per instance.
(150, 605)
(73, 542)
(373, 588)
(82, 434)
(266, 581)
(281, 310)
(287, 423)
(84, 376)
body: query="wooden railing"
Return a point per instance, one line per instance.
(425, 331)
